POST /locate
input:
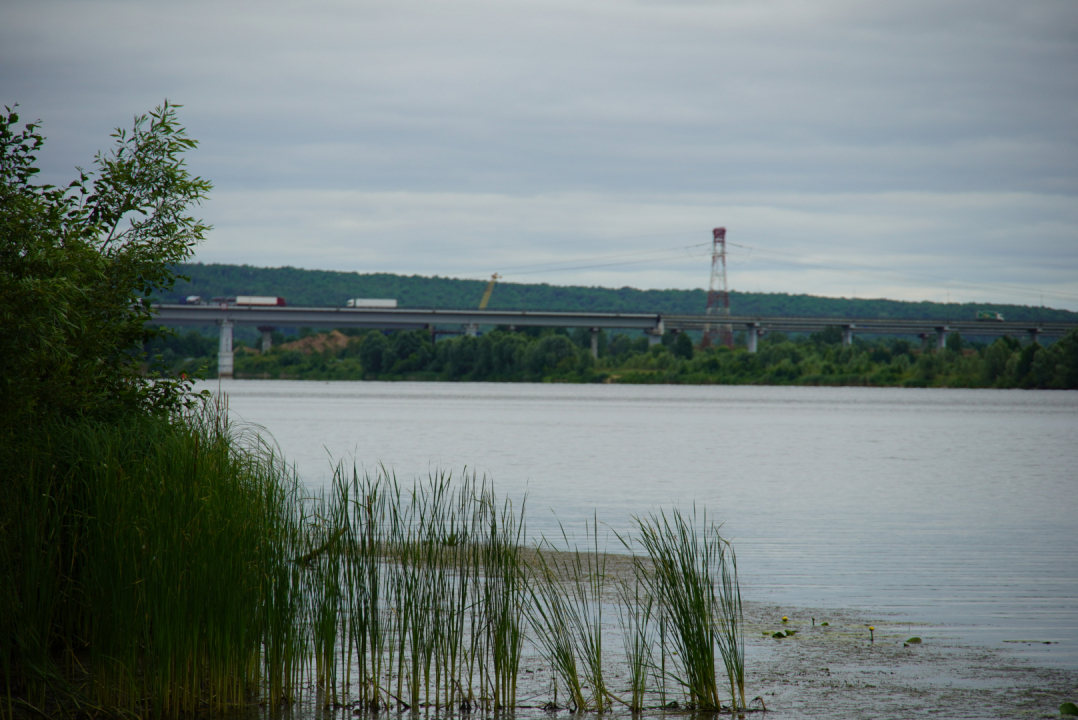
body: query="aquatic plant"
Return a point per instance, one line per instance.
(567, 616)
(158, 568)
(149, 567)
(635, 614)
(692, 573)
(432, 591)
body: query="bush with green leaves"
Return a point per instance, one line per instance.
(77, 262)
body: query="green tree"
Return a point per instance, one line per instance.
(1065, 362)
(996, 357)
(683, 346)
(552, 353)
(1020, 374)
(79, 263)
(372, 351)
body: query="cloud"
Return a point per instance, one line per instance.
(935, 138)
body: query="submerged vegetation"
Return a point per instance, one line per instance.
(558, 356)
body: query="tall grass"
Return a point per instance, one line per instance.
(567, 615)
(636, 609)
(149, 567)
(692, 575)
(162, 567)
(433, 590)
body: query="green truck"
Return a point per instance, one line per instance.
(989, 315)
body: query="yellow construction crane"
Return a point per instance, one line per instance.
(490, 289)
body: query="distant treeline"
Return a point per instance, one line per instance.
(560, 356)
(322, 288)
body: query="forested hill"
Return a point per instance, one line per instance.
(322, 288)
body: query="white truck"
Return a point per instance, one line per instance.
(259, 300)
(371, 303)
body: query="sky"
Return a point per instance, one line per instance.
(915, 150)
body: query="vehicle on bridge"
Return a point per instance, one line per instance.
(371, 303)
(260, 300)
(251, 300)
(989, 315)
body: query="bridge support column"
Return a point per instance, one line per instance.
(471, 329)
(941, 337)
(655, 334)
(595, 343)
(267, 337)
(753, 337)
(224, 350)
(1034, 333)
(847, 334)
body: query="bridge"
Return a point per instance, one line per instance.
(652, 324)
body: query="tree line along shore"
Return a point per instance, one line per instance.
(555, 355)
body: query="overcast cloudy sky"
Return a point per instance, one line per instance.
(923, 150)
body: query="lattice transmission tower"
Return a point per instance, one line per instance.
(718, 294)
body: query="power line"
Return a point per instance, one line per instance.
(554, 266)
(766, 255)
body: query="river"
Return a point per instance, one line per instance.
(950, 509)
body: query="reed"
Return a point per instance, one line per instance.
(567, 616)
(731, 624)
(167, 566)
(692, 576)
(149, 562)
(636, 610)
(431, 591)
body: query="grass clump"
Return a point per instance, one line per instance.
(432, 592)
(691, 575)
(148, 567)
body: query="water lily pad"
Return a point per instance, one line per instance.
(824, 624)
(914, 640)
(1068, 708)
(779, 634)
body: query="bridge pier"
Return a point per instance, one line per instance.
(267, 337)
(847, 335)
(753, 336)
(655, 334)
(471, 329)
(941, 337)
(224, 350)
(595, 343)
(1034, 333)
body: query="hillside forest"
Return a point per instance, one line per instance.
(322, 288)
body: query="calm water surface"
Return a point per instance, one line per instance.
(946, 507)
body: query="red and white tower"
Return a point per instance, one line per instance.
(718, 294)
